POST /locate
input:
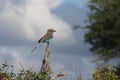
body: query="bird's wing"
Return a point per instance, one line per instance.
(44, 38)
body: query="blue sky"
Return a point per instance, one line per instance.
(23, 22)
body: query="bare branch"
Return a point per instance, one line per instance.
(60, 74)
(45, 62)
(45, 65)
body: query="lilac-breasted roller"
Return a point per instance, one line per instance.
(46, 38)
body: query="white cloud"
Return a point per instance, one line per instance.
(39, 18)
(32, 21)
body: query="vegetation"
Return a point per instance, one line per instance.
(106, 72)
(104, 28)
(104, 36)
(102, 72)
(7, 73)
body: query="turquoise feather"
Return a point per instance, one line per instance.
(48, 40)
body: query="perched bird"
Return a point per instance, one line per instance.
(46, 38)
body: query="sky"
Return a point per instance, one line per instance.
(23, 22)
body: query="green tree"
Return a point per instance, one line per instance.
(104, 28)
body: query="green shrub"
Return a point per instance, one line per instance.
(106, 72)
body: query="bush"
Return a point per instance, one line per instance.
(106, 72)
(7, 73)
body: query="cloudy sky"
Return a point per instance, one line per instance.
(23, 22)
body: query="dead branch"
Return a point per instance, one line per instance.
(45, 63)
(28, 73)
(60, 74)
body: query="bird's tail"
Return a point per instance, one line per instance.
(35, 47)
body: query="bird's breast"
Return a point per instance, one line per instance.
(48, 40)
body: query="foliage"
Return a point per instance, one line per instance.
(105, 73)
(7, 71)
(104, 28)
(100, 73)
(117, 70)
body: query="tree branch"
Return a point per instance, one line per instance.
(45, 63)
(60, 74)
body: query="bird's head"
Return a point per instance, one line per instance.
(51, 31)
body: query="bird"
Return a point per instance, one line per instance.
(46, 38)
